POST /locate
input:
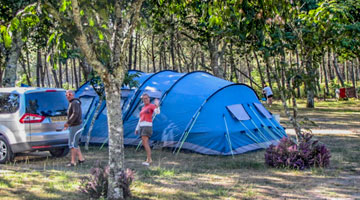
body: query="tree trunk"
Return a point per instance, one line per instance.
(298, 69)
(47, 73)
(233, 76)
(172, 48)
(57, 84)
(331, 74)
(43, 70)
(249, 69)
(152, 52)
(28, 74)
(67, 72)
(140, 54)
(22, 63)
(327, 91)
(259, 68)
(337, 70)
(60, 74)
(283, 97)
(79, 73)
(75, 74)
(116, 134)
(11, 61)
(353, 75)
(136, 49)
(179, 58)
(130, 52)
(85, 68)
(268, 70)
(213, 46)
(310, 85)
(358, 69)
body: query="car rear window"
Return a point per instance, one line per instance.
(9, 103)
(46, 103)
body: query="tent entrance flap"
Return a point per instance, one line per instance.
(238, 112)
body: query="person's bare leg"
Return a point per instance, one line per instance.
(79, 154)
(73, 155)
(145, 141)
(270, 101)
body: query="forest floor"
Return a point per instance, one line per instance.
(195, 176)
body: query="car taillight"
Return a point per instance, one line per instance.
(50, 91)
(31, 118)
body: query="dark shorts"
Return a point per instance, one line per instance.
(146, 131)
(74, 136)
(270, 96)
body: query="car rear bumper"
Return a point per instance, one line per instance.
(41, 145)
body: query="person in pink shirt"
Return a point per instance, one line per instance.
(144, 126)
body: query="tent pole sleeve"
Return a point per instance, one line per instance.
(187, 133)
(282, 132)
(107, 139)
(228, 137)
(262, 122)
(252, 136)
(261, 133)
(138, 146)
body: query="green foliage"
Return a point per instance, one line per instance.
(67, 86)
(23, 80)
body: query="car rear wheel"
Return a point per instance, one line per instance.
(60, 152)
(6, 154)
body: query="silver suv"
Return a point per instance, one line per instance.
(32, 119)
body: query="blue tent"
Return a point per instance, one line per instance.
(199, 112)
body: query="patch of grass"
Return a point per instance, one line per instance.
(195, 176)
(160, 172)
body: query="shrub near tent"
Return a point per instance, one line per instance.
(308, 153)
(199, 112)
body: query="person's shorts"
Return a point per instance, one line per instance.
(146, 131)
(270, 96)
(74, 136)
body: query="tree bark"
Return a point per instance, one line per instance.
(130, 53)
(75, 74)
(152, 52)
(136, 49)
(22, 63)
(233, 76)
(12, 60)
(268, 70)
(353, 75)
(213, 47)
(67, 72)
(310, 85)
(337, 70)
(172, 47)
(298, 69)
(57, 84)
(331, 74)
(259, 68)
(28, 74)
(249, 69)
(325, 76)
(60, 74)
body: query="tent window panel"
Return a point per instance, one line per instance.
(262, 110)
(86, 103)
(238, 112)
